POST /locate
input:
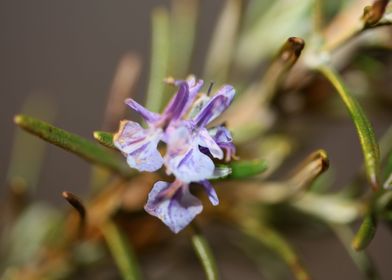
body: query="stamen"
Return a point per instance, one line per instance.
(210, 88)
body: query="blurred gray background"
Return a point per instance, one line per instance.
(68, 52)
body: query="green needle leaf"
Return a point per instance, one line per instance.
(105, 138)
(364, 128)
(366, 232)
(75, 144)
(204, 253)
(121, 251)
(244, 169)
(159, 59)
(223, 42)
(183, 26)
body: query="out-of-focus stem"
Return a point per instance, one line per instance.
(274, 241)
(361, 259)
(245, 117)
(124, 81)
(318, 16)
(370, 19)
(121, 251)
(204, 253)
(223, 42)
(302, 178)
(182, 31)
(160, 51)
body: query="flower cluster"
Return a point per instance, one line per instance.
(190, 148)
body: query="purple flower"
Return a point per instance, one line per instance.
(184, 158)
(190, 149)
(139, 144)
(175, 205)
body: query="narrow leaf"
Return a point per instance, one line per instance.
(286, 17)
(124, 81)
(75, 144)
(223, 42)
(183, 30)
(277, 192)
(159, 59)
(332, 208)
(27, 153)
(204, 253)
(366, 232)
(248, 117)
(364, 128)
(121, 251)
(104, 138)
(244, 169)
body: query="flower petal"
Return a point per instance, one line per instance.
(176, 212)
(194, 89)
(147, 115)
(216, 106)
(139, 145)
(183, 157)
(177, 105)
(212, 196)
(205, 140)
(194, 86)
(224, 140)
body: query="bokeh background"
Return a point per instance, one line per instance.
(67, 52)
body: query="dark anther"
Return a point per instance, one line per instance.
(210, 88)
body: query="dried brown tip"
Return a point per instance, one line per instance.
(292, 49)
(374, 183)
(76, 204)
(323, 157)
(319, 157)
(372, 14)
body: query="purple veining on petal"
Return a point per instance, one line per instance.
(177, 211)
(194, 89)
(183, 157)
(148, 116)
(216, 106)
(211, 193)
(195, 167)
(139, 145)
(177, 104)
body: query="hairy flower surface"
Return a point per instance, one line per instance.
(190, 149)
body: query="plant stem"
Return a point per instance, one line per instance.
(204, 253)
(121, 251)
